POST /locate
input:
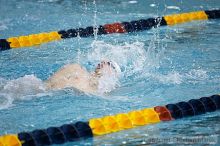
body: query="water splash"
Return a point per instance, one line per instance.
(196, 74)
(107, 83)
(170, 78)
(95, 27)
(175, 77)
(131, 57)
(23, 88)
(142, 61)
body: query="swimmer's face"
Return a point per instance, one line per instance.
(105, 67)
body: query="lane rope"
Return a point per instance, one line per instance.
(123, 27)
(112, 123)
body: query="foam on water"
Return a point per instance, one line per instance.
(23, 88)
(196, 74)
(175, 77)
(142, 60)
(131, 57)
(170, 78)
(136, 59)
(107, 83)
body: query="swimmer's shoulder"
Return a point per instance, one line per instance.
(72, 66)
(65, 71)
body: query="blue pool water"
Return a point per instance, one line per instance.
(160, 66)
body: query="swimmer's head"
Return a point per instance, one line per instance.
(108, 68)
(107, 73)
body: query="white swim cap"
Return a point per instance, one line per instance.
(112, 64)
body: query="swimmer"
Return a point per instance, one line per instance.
(75, 76)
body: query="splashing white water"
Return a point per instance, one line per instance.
(197, 74)
(136, 60)
(130, 57)
(23, 88)
(107, 83)
(178, 78)
(170, 78)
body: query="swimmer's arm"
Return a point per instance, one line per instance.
(67, 69)
(59, 78)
